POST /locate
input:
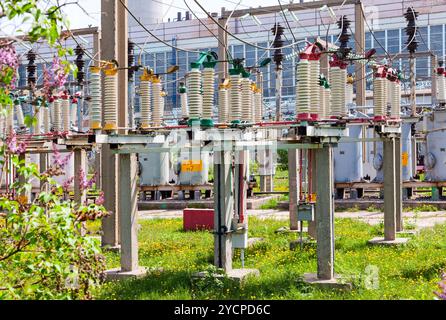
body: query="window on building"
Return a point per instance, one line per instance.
(436, 40)
(393, 41)
(379, 42)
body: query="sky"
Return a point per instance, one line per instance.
(79, 19)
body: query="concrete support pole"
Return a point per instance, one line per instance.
(293, 178)
(325, 213)
(389, 189)
(109, 171)
(114, 44)
(80, 163)
(312, 225)
(223, 209)
(398, 186)
(128, 212)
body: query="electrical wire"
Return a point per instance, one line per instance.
(373, 34)
(210, 31)
(236, 37)
(152, 34)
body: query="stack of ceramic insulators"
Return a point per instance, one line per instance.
(38, 122)
(222, 103)
(314, 88)
(208, 92)
(441, 85)
(46, 119)
(338, 78)
(303, 88)
(157, 103)
(111, 99)
(395, 101)
(163, 103)
(380, 96)
(258, 105)
(96, 99)
(73, 112)
(349, 91)
(65, 106)
(194, 93)
(324, 90)
(56, 112)
(144, 92)
(246, 99)
(19, 115)
(235, 97)
(183, 101)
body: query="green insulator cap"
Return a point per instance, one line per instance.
(192, 122)
(209, 64)
(182, 89)
(208, 123)
(16, 102)
(235, 122)
(194, 65)
(234, 72)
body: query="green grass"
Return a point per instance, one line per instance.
(270, 204)
(409, 272)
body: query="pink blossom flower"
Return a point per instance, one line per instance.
(8, 62)
(100, 200)
(13, 146)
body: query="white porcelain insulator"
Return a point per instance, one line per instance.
(111, 101)
(396, 100)
(144, 92)
(222, 105)
(57, 125)
(9, 119)
(208, 92)
(314, 87)
(235, 113)
(19, 114)
(258, 107)
(380, 96)
(338, 79)
(349, 94)
(46, 119)
(246, 99)
(96, 99)
(156, 114)
(194, 96)
(65, 105)
(38, 121)
(303, 87)
(184, 107)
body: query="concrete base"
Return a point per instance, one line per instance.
(117, 274)
(382, 241)
(112, 248)
(312, 279)
(237, 275)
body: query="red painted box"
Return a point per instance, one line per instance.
(198, 219)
